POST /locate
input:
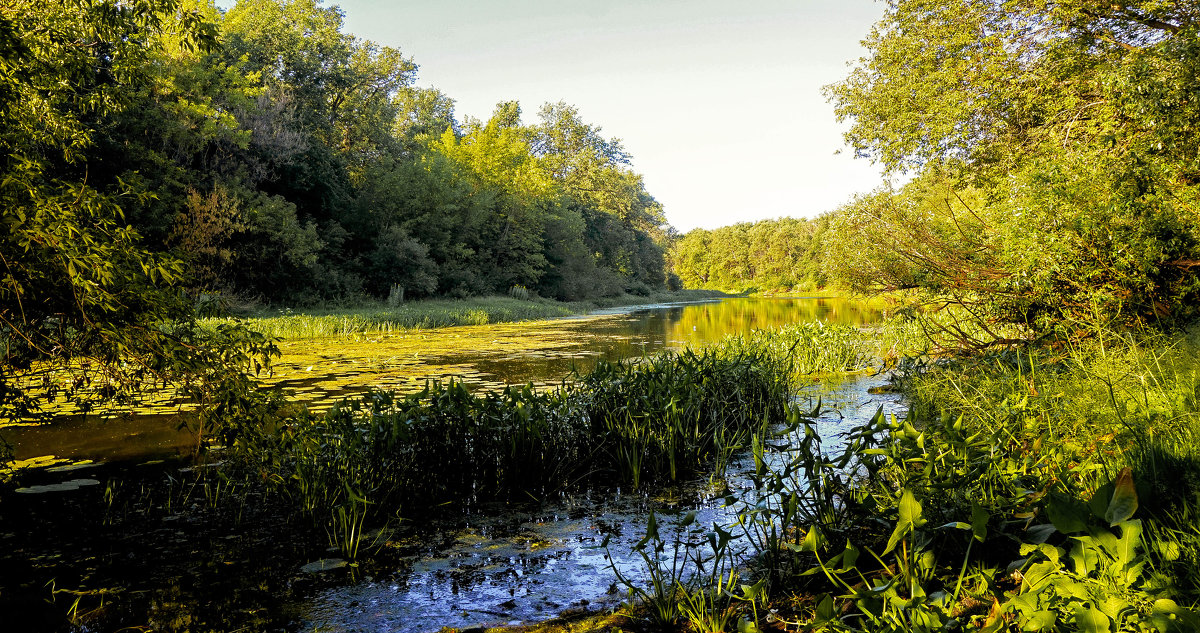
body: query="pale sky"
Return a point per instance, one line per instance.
(719, 102)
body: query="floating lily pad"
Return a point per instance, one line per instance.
(74, 484)
(325, 564)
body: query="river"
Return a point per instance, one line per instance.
(502, 564)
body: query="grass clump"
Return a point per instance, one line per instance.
(370, 458)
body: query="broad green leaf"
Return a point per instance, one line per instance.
(910, 519)
(1124, 499)
(1125, 551)
(814, 541)
(825, 610)
(1091, 620)
(746, 625)
(1040, 621)
(979, 521)
(1067, 518)
(1039, 533)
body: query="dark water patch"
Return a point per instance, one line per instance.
(146, 546)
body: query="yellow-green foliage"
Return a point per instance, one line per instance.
(435, 313)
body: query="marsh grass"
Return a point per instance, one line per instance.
(1053, 488)
(1077, 466)
(395, 317)
(383, 455)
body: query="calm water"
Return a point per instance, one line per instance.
(321, 372)
(504, 563)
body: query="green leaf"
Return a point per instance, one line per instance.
(1065, 516)
(1040, 621)
(979, 521)
(825, 610)
(1091, 620)
(813, 540)
(1124, 499)
(910, 519)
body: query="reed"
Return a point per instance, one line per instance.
(623, 423)
(388, 317)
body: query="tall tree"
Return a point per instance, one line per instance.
(79, 292)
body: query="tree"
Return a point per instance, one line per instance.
(1063, 133)
(79, 292)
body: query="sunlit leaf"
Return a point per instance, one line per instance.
(1124, 501)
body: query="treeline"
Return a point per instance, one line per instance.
(280, 157)
(787, 254)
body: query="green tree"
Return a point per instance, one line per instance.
(79, 292)
(1071, 127)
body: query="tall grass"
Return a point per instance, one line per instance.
(623, 423)
(387, 318)
(1077, 467)
(1029, 489)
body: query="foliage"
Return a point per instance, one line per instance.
(1023, 492)
(87, 311)
(623, 423)
(784, 254)
(281, 158)
(1055, 167)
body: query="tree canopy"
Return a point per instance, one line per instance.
(1054, 150)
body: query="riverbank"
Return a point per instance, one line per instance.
(381, 318)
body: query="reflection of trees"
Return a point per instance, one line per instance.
(650, 331)
(713, 321)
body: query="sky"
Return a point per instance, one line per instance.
(719, 102)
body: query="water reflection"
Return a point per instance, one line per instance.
(509, 564)
(321, 372)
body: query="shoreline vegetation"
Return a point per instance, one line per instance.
(1025, 485)
(381, 318)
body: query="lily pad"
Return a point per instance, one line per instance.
(325, 564)
(74, 484)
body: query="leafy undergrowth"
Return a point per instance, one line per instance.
(1040, 490)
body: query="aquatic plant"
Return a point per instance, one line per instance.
(964, 515)
(674, 412)
(628, 422)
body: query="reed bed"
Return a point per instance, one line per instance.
(624, 423)
(382, 318)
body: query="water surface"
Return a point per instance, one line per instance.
(320, 372)
(517, 564)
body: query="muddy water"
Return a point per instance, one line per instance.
(516, 565)
(320, 372)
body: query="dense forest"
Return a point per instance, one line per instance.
(278, 157)
(770, 255)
